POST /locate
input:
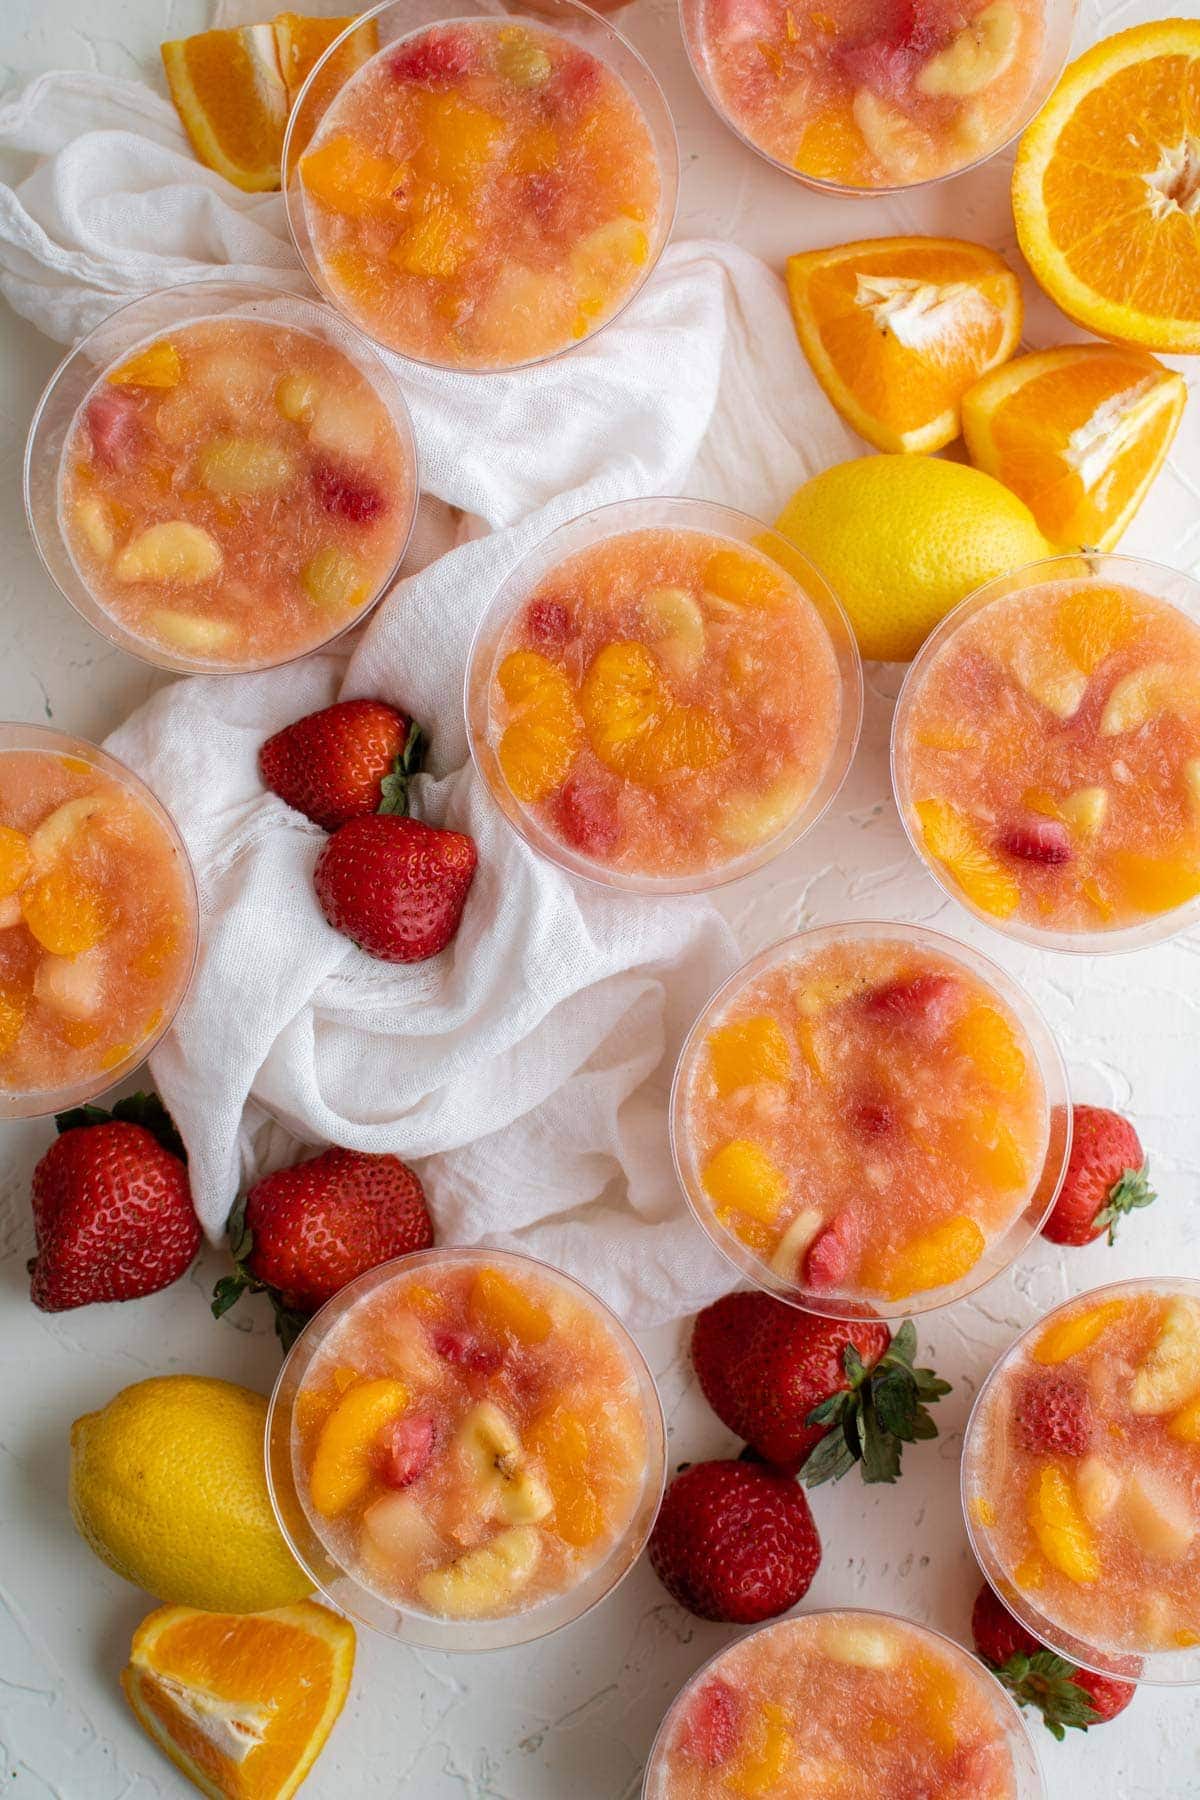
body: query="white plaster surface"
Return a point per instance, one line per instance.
(571, 1719)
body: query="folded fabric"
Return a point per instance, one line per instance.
(526, 1069)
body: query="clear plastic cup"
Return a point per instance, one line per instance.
(92, 1065)
(1028, 1215)
(1085, 573)
(111, 344)
(1058, 26)
(831, 631)
(309, 1535)
(391, 24)
(867, 1636)
(1171, 1664)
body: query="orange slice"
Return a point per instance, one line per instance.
(897, 330)
(1079, 433)
(1106, 188)
(300, 43)
(242, 1703)
(233, 102)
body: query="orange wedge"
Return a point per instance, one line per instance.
(242, 1703)
(1078, 433)
(1106, 188)
(301, 42)
(233, 102)
(897, 330)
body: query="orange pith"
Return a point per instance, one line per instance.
(1106, 192)
(1079, 433)
(897, 330)
(203, 1685)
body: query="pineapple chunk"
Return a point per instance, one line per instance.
(174, 551)
(1170, 1374)
(343, 424)
(94, 526)
(860, 1645)
(675, 625)
(242, 468)
(189, 631)
(1050, 677)
(746, 819)
(335, 579)
(1145, 692)
(1085, 810)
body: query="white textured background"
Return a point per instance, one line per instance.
(573, 1718)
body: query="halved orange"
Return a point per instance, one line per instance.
(1079, 433)
(897, 329)
(1106, 188)
(233, 102)
(242, 1703)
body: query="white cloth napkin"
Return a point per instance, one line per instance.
(526, 1069)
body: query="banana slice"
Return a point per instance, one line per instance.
(187, 631)
(1170, 1375)
(899, 145)
(1191, 781)
(59, 827)
(491, 1453)
(95, 526)
(981, 53)
(1085, 810)
(486, 1580)
(675, 626)
(794, 1242)
(860, 1646)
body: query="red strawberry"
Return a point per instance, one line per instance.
(396, 887)
(406, 1449)
(466, 1351)
(1107, 1176)
(1037, 840)
(798, 1388)
(734, 1541)
(347, 496)
(829, 1257)
(304, 1232)
(921, 1000)
(587, 814)
(575, 84)
(1054, 1415)
(112, 1208)
(873, 1118)
(713, 1725)
(548, 625)
(112, 422)
(550, 199)
(343, 762)
(1034, 1676)
(436, 60)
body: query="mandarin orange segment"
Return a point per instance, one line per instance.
(242, 1704)
(831, 145)
(501, 1306)
(985, 1036)
(688, 741)
(543, 733)
(158, 366)
(634, 725)
(16, 860)
(559, 1439)
(741, 579)
(952, 840)
(742, 1178)
(1153, 884)
(342, 1469)
(933, 1259)
(759, 1769)
(1063, 1534)
(898, 329)
(65, 912)
(1093, 621)
(231, 97)
(1078, 1332)
(985, 1145)
(438, 240)
(748, 1051)
(936, 1699)
(350, 179)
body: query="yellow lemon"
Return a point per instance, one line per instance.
(902, 539)
(168, 1487)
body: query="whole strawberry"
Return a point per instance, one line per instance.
(735, 1542)
(395, 886)
(1107, 1175)
(112, 1208)
(1034, 1676)
(813, 1395)
(304, 1232)
(343, 762)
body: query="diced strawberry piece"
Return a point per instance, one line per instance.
(407, 1449)
(588, 816)
(889, 62)
(467, 1352)
(924, 1000)
(548, 624)
(831, 1253)
(112, 424)
(575, 85)
(435, 60)
(873, 1118)
(1037, 840)
(1054, 1416)
(713, 1727)
(349, 496)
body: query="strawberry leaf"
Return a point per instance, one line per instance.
(393, 789)
(884, 1408)
(1047, 1683)
(828, 1462)
(146, 1110)
(1127, 1195)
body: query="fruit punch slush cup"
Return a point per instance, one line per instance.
(466, 1449)
(870, 95)
(870, 1114)
(1081, 1480)
(843, 1706)
(1046, 752)
(234, 489)
(484, 192)
(97, 920)
(663, 695)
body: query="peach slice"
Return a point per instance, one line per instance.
(933, 1259)
(760, 1767)
(1077, 1332)
(341, 1471)
(742, 1178)
(748, 1051)
(499, 1305)
(1058, 1523)
(486, 1580)
(173, 551)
